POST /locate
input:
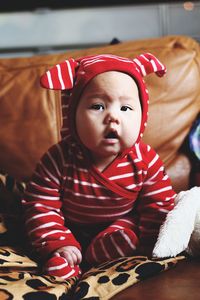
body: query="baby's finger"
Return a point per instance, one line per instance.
(78, 256)
(69, 257)
(74, 258)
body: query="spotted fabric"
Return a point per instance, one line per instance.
(108, 279)
(25, 285)
(20, 278)
(15, 258)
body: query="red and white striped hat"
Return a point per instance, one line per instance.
(73, 75)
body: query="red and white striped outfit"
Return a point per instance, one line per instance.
(69, 202)
(129, 200)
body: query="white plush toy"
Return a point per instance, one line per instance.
(181, 229)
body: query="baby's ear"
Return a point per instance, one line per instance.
(175, 233)
(61, 76)
(147, 63)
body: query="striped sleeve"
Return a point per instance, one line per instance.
(42, 206)
(156, 200)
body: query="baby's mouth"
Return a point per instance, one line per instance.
(112, 134)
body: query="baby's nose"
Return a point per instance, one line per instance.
(112, 118)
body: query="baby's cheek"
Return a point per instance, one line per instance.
(130, 138)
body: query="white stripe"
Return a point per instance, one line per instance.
(43, 236)
(53, 232)
(124, 164)
(153, 161)
(55, 179)
(89, 63)
(54, 164)
(149, 181)
(139, 155)
(121, 176)
(70, 72)
(160, 203)
(69, 274)
(165, 177)
(43, 215)
(60, 77)
(91, 196)
(40, 240)
(116, 226)
(50, 198)
(142, 55)
(44, 177)
(167, 188)
(154, 66)
(126, 221)
(119, 58)
(93, 58)
(163, 210)
(99, 58)
(46, 206)
(58, 267)
(75, 204)
(126, 237)
(140, 66)
(43, 226)
(104, 249)
(136, 160)
(49, 79)
(116, 246)
(94, 254)
(169, 198)
(132, 186)
(152, 62)
(40, 186)
(161, 65)
(85, 183)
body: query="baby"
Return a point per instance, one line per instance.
(100, 193)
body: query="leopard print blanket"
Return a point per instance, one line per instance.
(20, 278)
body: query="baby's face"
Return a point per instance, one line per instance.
(108, 116)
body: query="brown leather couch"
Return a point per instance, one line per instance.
(31, 120)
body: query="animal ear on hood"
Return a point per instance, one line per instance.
(61, 76)
(147, 63)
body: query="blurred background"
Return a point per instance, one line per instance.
(40, 27)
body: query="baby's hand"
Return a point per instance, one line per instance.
(71, 253)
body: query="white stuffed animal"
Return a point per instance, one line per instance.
(181, 229)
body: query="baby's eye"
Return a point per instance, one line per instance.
(126, 107)
(97, 107)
